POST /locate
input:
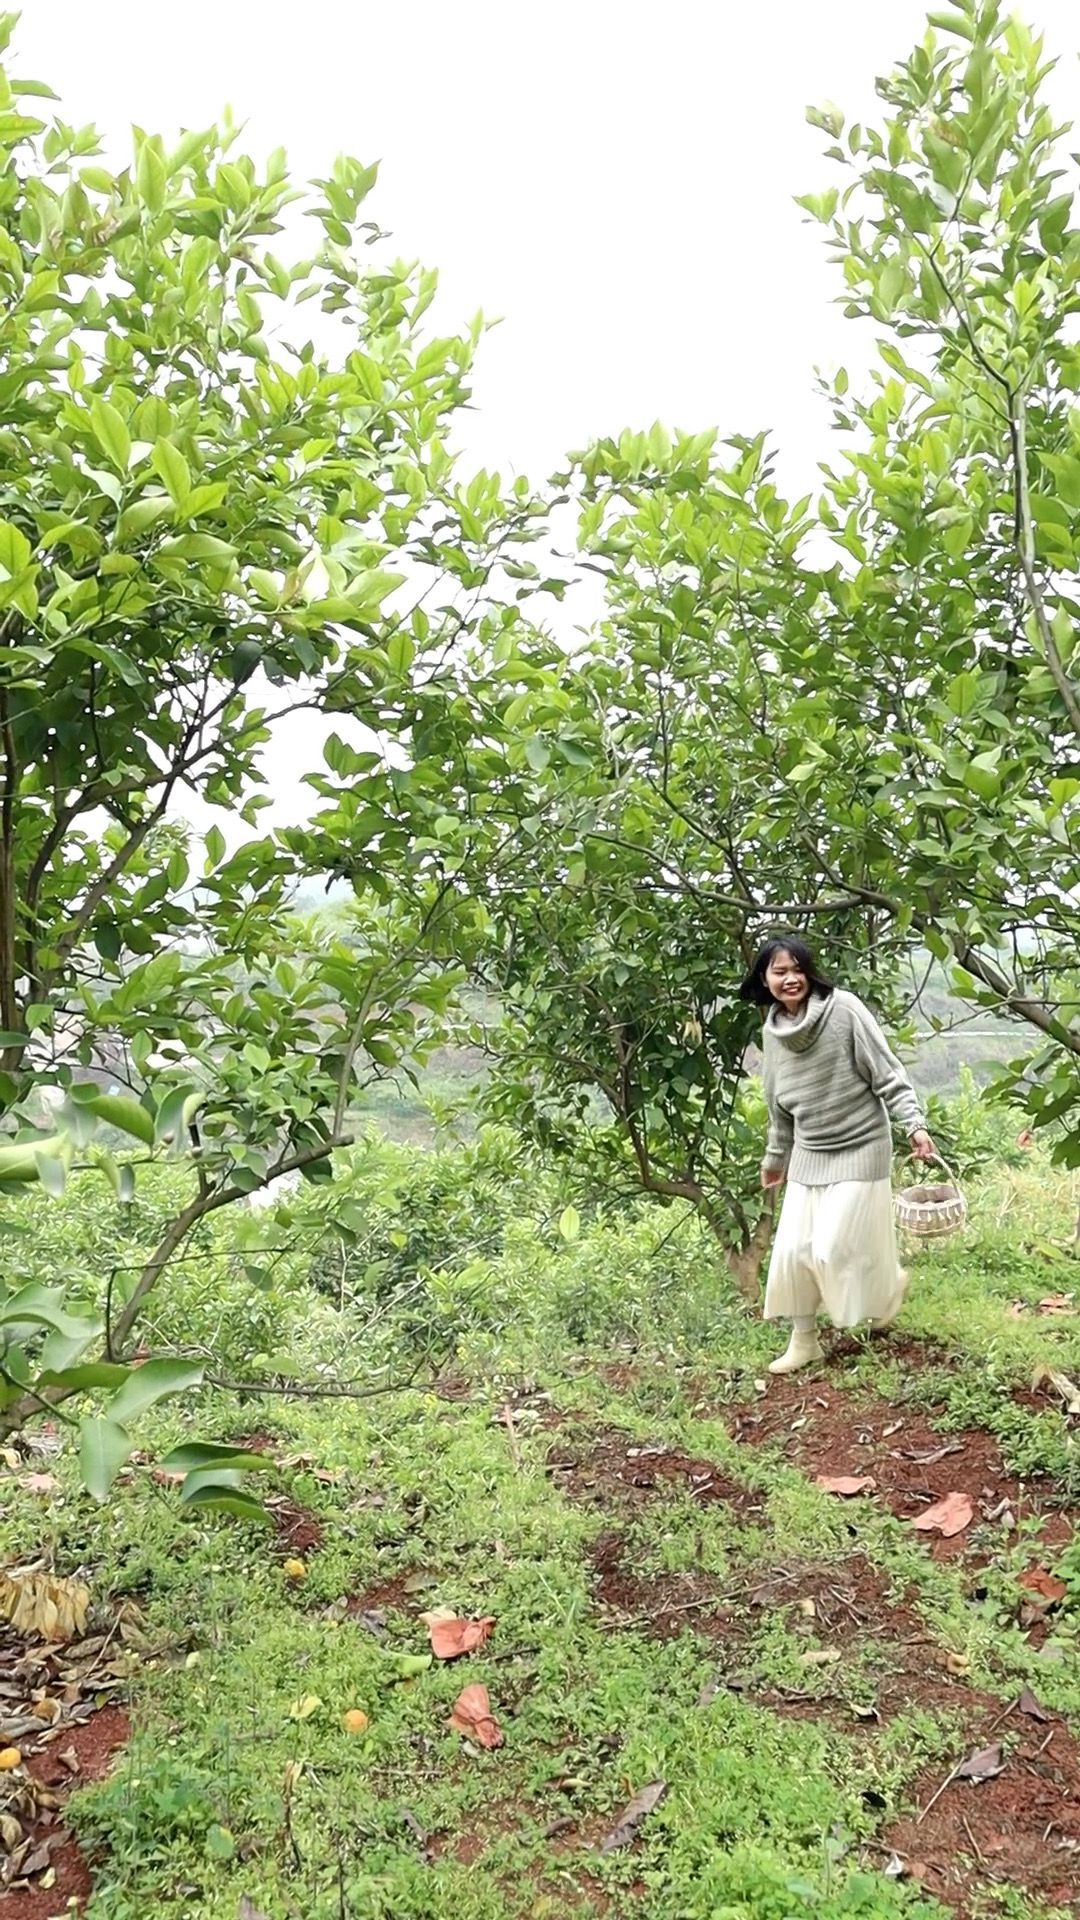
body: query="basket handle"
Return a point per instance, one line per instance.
(916, 1160)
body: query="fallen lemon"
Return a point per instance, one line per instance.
(355, 1720)
(9, 1757)
(294, 1570)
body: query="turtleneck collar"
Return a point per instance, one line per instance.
(798, 1035)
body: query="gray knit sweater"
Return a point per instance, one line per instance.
(832, 1084)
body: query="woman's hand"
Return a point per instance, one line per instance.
(922, 1146)
(772, 1177)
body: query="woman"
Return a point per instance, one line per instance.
(832, 1085)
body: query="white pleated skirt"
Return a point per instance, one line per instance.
(835, 1249)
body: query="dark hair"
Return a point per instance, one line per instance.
(755, 987)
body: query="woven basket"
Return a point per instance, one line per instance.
(930, 1212)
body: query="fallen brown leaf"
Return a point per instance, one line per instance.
(451, 1636)
(473, 1717)
(1028, 1704)
(1045, 1376)
(35, 1602)
(1057, 1303)
(947, 1517)
(986, 1764)
(1046, 1585)
(845, 1484)
(39, 1482)
(630, 1819)
(930, 1459)
(247, 1910)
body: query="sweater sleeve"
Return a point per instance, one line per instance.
(781, 1124)
(884, 1074)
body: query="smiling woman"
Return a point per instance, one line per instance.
(832, 1086)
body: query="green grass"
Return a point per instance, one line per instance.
(224, 1791)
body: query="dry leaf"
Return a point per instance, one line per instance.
(247, 1910)
(450, 1636)
(845, 1484)
(1046, 1585)
(948, 1517)
(630, 1819)
(1045, 1376)
(819, 1657)
(1057, 1303)
(931, 1459)
(35, 1602)
(957, 1664)
(472, 1716)
(1028, 1704)
(303, 1708)
(986, 1764)
(39, 1482)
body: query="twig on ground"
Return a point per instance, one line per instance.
(507, 1418)
(975, 1845)
(684, 1606)
(935, 1797)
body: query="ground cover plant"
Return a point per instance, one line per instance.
(692, 1596)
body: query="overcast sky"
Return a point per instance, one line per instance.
(615, 178)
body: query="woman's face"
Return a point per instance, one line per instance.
(786, 981)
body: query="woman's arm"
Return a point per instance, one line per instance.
(884, 1074)
(781, 1134)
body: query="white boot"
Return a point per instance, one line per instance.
(804, 1350)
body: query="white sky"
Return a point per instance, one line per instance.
(613, 177)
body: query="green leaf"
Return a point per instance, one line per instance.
(198, 546)
(127, 1115)
(169, 1119)
(962, 693)
(569, 1223)
(155, 1380)
(214, 843)
(142, 514)
(949, 22)
(216, 1492)
(400, 653)
(150, 178)
(195, 1456)
(14, 550)
(43, 1307)
(103, 1449)
(90, 1377)
(111, 434)
(53, 1175)
(171, 467)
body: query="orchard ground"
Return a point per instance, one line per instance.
(826, 1709)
